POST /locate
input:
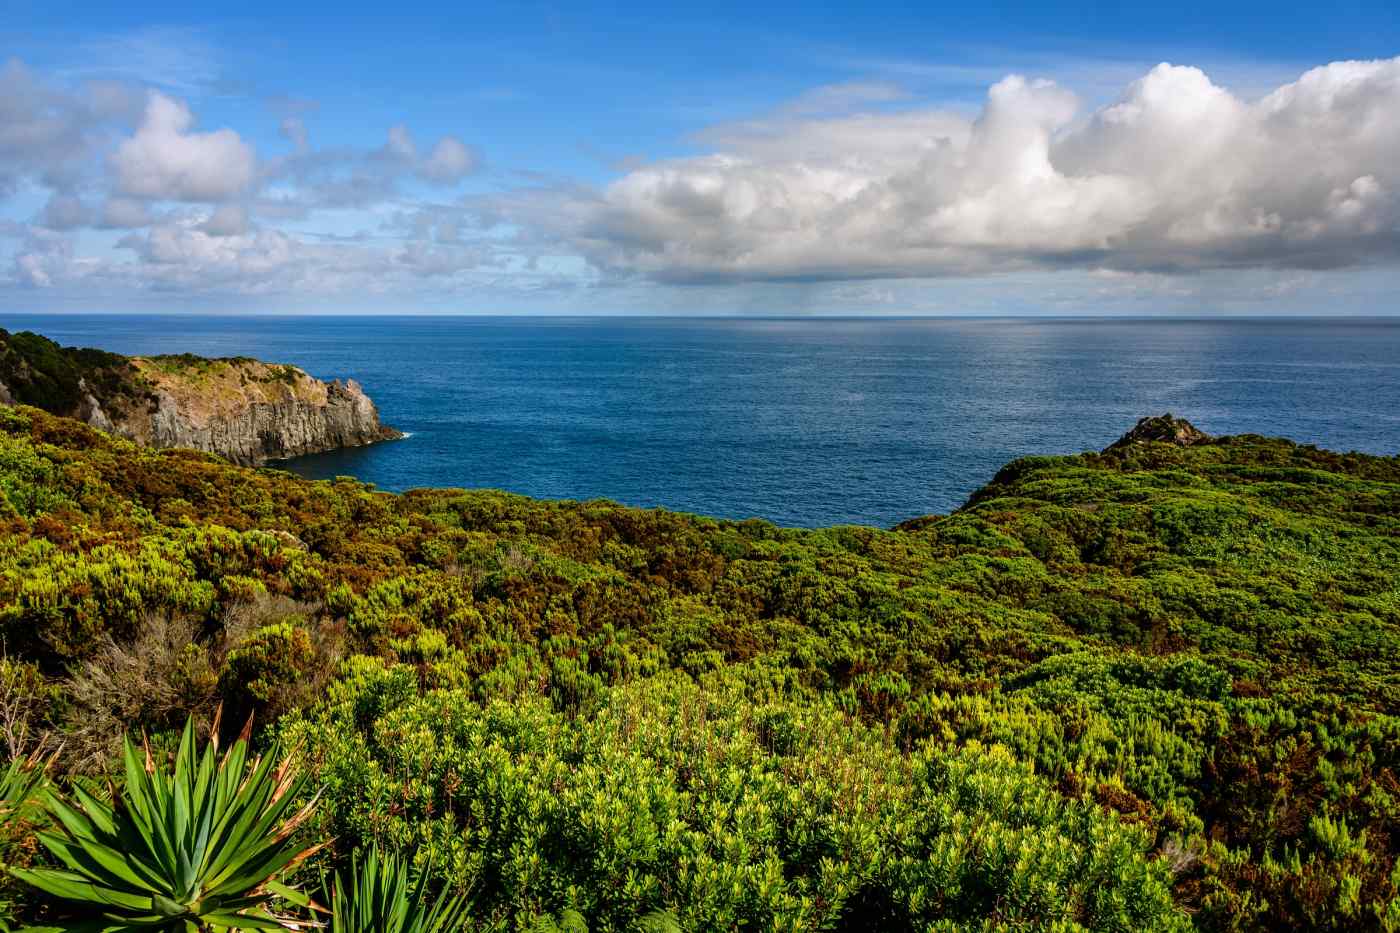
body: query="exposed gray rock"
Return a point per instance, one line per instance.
(272, 413)
(90, 410)
(1162, 429)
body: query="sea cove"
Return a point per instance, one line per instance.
(806, 422)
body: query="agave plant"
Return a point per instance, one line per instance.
(387, 898)
(200, 849)
(20, 784)
(19, 788)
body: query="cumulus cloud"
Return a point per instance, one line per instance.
(106, 152)
(847, 183)
(346, 178)
(45, 257)
(226, 220)
(448, 162)
(164, 160)
(1177, 175)
(219, 252)
(400, 146)
(108, 155)
(185, 256)
(47, 134)
(33, 124)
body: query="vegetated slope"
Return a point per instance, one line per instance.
(237, 407)
(1152, 688)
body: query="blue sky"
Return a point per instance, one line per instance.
(726, 158)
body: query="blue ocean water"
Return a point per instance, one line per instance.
(800, 421)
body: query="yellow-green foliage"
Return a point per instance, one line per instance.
(775, 815)
(1147, 688)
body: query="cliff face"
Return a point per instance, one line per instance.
(242, 409)
(249, 411)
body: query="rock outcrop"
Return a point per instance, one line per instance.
(1162, 429)
(239, 408)
(250, 412)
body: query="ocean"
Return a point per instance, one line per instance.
(804, 422)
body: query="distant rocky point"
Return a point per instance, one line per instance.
(237, 407)
(1163, 429)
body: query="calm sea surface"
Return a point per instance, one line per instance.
(803, 422)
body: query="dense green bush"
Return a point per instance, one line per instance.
(1155, 686)
(779, 815)
(39, 372)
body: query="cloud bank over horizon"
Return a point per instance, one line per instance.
(111, 187)
(1178, 175)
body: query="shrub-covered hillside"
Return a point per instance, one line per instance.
(1155, 688)
(36, 371)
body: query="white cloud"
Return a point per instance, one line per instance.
(209, 253)
(47, 134)
(44, 258)
(55, 141)
(1177, 175)
(400, 145)
(844, 184)
(30, 270)
(450, 161)
(124, 214)
(183, 256)
(226, 220)
(165, 161)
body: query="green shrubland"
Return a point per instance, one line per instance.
(1154, 688)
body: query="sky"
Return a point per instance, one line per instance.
(724, 158)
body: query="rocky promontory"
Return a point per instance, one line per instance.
(1162, 429)
(240, 408)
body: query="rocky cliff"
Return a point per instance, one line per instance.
(240, 408)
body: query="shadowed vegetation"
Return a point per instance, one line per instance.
(39, 372)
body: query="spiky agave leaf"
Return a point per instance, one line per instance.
(385, 896)
(20, 784)
(198, 848)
